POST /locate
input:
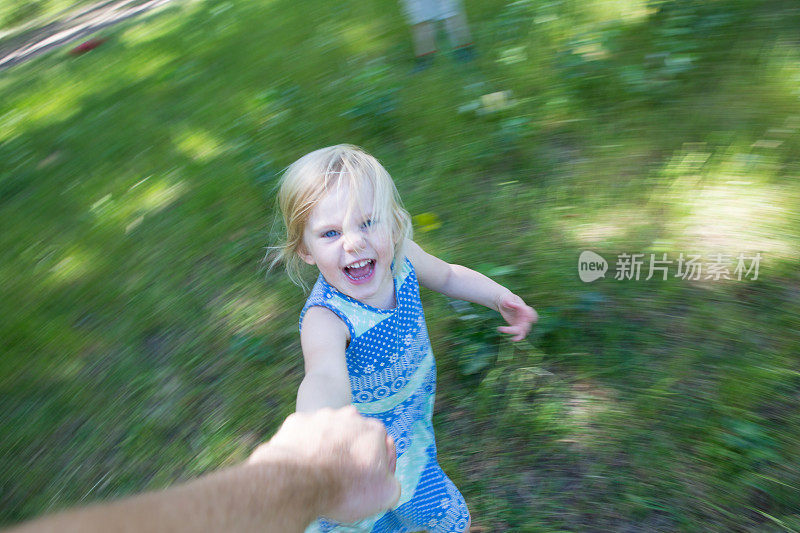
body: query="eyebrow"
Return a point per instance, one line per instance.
(309, 227)
(326, 227)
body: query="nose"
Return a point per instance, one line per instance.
(354, 241)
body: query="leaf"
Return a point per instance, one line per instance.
(474, 358)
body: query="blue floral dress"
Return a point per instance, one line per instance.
(393, 378)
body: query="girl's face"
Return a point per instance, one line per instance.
(352, 255)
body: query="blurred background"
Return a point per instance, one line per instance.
(143, 342)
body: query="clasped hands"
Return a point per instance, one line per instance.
(351, 455)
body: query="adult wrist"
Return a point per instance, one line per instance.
(296, 483)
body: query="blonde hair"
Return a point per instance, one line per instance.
(309, 179)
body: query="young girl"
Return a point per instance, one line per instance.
(362, 329)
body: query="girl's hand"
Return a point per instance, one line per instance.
(518, 314)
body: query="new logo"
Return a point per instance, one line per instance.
(591, 266)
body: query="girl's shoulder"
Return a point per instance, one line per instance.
(430, 271)
(321, 321)
(321, 301)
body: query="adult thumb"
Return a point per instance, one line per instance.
(393, 492)
(394, 484)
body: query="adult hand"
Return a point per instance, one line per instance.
(518, 314)
(353, 454)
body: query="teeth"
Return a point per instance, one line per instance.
(363, 262)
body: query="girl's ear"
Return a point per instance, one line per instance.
(302, 251)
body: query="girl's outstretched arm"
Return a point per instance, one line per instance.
(326, 384)
(460, 282)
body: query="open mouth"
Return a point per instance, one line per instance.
(360, 271)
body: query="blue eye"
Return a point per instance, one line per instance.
(330, 233)
(368, 223)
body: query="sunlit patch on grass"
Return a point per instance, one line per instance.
(598, 232)
(732, 207)
(132, 225)
(58, 106)
(603, 225)
(784, 68)
(512, 55)
(10, 121)
(62, 98)
(72, 266)
(159, 195)
(737, 217)
(591, 51)
(360, 38)
(154, 28)
(611, 10)
(242, 314)
(42, 108)
(150, 64)
(197, 144)
(145, 198)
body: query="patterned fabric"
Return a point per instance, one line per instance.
(393, 378)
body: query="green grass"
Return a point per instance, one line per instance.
(142, 343)
(17, 13)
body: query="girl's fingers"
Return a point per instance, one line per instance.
(511, 330)
(520, 316)
(519, 332)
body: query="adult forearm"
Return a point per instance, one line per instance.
(270, 496)
(329, 463)
(466, 284)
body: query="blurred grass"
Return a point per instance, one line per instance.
(142, 344)
(18, 13)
